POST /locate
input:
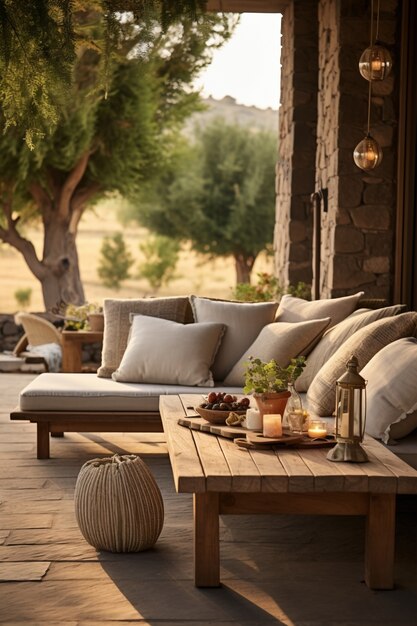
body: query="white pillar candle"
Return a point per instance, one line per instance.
(253, 419)
(272, 425)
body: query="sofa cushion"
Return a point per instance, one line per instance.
(87, 392)
(281, 341)
(364, 344)
(392, 390)
(117, 324)
(336, 336)
(243, 320)
(161, 351)
(292, 309)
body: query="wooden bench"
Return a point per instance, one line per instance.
(55, 423)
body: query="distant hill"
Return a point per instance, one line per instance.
(227, 108)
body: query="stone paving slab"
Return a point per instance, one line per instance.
(13, 572)
(24, 521)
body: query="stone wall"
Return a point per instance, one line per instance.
(10, 333)
(357, 232)
(297, 143)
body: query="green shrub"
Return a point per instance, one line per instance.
(161, 254)
(267, 289)
(115, 261)
(23, 297)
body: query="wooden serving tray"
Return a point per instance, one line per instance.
(221, 430)
(297, 441)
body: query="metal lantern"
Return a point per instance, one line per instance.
(350, 416)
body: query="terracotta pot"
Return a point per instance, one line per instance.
(96, 321)
(272, 402)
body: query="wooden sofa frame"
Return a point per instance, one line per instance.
(55, 423)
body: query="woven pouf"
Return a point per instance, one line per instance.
(118, 504)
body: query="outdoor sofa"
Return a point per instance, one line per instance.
(158, 346)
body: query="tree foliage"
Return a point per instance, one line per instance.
(41, 39)
(219, 194)
(100, 145)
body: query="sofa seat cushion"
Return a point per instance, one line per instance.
(88, 392)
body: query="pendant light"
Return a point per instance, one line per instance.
(375, 64)
(368, 154)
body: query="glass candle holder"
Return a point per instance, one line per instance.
(296, 421)
(317, 429)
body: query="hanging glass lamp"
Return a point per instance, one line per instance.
(375, 62)
(367, 154)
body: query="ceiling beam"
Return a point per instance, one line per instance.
(247, 6)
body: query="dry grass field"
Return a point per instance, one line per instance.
(195, 275)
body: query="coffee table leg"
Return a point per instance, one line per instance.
(206, 540)
(380, 541)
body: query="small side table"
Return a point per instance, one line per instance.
(72, 343)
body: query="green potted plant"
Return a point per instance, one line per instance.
(270, 383)
(87, 316)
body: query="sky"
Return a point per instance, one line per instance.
(248, 66)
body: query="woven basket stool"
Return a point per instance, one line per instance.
(118, 504)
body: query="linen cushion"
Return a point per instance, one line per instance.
(292, 309)
(161, 351)
(336, 336)
(392, 390)
(117, 324)
(87, 392)
(364, 344)
(244, 321)
(281, 341)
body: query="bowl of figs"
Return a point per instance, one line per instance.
(219, 405)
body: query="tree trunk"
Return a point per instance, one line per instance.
(62, 281)
(244, 266)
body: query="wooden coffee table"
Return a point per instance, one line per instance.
(228, 480)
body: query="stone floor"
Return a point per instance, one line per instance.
(297, 571)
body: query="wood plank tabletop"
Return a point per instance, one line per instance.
(206, 462)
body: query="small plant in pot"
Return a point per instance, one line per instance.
(269, 382)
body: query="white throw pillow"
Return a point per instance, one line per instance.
(392, 390)
(162, 351)
(364, 344)
(117, 324)
(281, 341)
(336, 336)
(292, 309)
(243, 320)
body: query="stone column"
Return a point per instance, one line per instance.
(297, 143)
(357, 231)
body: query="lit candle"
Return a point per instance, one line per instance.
(272, 425)
(376, 65)
(317, 429)
(253, 419)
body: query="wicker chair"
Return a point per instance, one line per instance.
(38, 331)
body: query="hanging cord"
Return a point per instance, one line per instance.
(370, 82)
(377, 22)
